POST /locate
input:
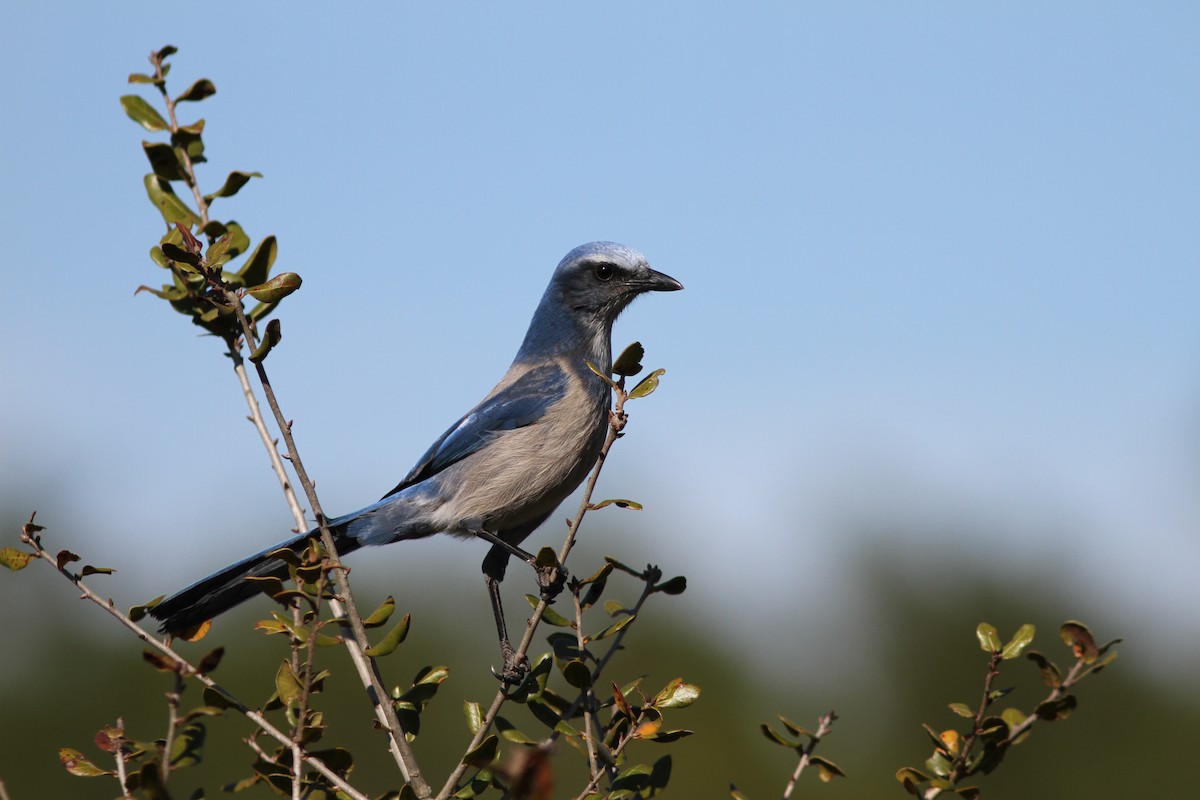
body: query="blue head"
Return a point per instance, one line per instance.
(591, 286)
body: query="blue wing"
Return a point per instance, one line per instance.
(521, 403)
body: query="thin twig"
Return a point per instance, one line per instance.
(650, 577)
(356, 642)
(587, 695)
(122, 775)
(344, 610)
(189, 169)
(960, 770)
(629, 736)
(617, 420)
(824, 725)
(354, 637)
(172, 726)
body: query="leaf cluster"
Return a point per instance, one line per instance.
(200, 277)
(961, 754)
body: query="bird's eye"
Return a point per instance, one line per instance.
(605, 272)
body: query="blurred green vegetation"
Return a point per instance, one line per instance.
(77, 671)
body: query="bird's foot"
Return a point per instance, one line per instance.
(516, 666)
(551, 579)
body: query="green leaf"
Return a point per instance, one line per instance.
(1077, 636)
(677, 694)
(616, 502)
(1101, 664)
(600, 574)
(1019, 642)
(795, 729)
(187, 745)
(1013, 716)
(577, 674)
(287, 685)
(381, 614)
(179, 255)
(271, 338)
(215, 699)
(1056, 709)
(77, 765)
(139, 612)
(612, 384)
(611, 629)
(938, 764)
(826, 769)
(164, 161)
(510, 733)
(483, 754)
(143, 113)
(189, 140)
(550, 616)
(197, 91)
(389, 643)
(258, 266)
(277, 288)
(88, 569)
(675, 585)
(963, 710)
(629, 363)
(1050, 673)
(167, 202)
(234, 182)
(648, 384)
(474, 714)
(167, 50)
(15, 559)
(137, 77)
(912, 779)
(546, 558)
(239, 243)
(989, 638)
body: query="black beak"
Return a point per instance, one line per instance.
(657, 281)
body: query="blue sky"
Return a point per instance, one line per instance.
(940, 264)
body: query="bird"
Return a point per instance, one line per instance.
(499, 471)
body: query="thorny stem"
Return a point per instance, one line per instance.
(187, 668)
(824, 725)
(617, 421)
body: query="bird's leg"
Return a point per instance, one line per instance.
(551, 578)
(516, 666)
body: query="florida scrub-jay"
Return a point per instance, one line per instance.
(501, 470)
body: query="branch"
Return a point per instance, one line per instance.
(355, 634)
(824, 725)
(186, 668)
(617, 420)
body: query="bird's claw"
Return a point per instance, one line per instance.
(516, 666)
(551, 580)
